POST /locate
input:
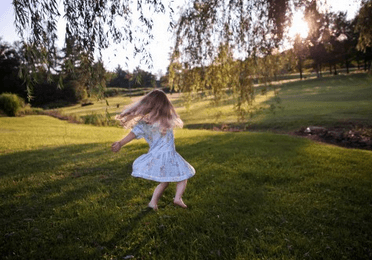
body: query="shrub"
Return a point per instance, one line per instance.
(99, 120)
(28, 110)
(10, 103)
(111, 92)
(58, 114)
(95, 119)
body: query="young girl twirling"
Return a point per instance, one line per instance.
(153, 118)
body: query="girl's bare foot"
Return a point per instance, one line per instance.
(180, 203)
(154, 207)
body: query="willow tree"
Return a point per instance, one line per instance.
(363, 27)
(211, 33)
(208, 34)
(93, 24)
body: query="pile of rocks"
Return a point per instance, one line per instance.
(352, 138)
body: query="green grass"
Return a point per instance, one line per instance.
(64, 195)
(116, 105)
(327, 101)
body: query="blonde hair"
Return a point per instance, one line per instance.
(155, 109)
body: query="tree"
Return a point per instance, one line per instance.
(92, 24)
(363, 27)
(254, 29)
(141, 78)
(79, 72)
(318, 36)
(301, 51)
(121, 78)
(342, 40)
(10, 60)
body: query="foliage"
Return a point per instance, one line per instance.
(301, 51)
(250, 27)
(10, 60)
(318, 36)
(94, 24)
(90, 25)
(99, 120)
(363, 26)
(11, 103)
(343, 40)
(255, 196)
(209, 36)
(121, 79)
(227, 75)
(141, 78)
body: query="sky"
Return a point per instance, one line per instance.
(159, 48)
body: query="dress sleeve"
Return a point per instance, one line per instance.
(138, 130)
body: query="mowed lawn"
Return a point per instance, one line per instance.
(65, 195)
(111, 105)
(328, 101)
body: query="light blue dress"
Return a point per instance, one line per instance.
(162, 163)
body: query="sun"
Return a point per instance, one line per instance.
(299, 26)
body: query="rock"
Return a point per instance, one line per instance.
(315, 130)
(351, 138)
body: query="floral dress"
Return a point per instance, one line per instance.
(162, 163)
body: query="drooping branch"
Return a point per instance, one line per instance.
(94, 24)
(211, 35)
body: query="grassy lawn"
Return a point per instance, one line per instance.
(327, 101)
(64, 195)
(115, 106)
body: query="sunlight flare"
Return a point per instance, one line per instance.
(298, 26)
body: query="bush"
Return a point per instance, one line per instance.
(95, 119)
(10, 103)
(111, 92)
(99, 120)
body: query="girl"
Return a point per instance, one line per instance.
(155, 117)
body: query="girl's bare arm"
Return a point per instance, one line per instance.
(115, 147)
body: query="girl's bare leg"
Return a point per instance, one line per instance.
(157, 194)
(180, 189)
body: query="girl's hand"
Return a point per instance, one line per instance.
(115, 147)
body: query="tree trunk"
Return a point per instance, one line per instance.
(347, 65)
(335, 70)
(365, 63)
(300, 67)
(330, 69)
(320, 70)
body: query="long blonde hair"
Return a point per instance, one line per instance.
(153, 108)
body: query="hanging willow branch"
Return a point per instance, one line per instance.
(208, 36)
(210, 33)
(93, 24)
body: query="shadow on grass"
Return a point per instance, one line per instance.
(253, 196)
(57, 192)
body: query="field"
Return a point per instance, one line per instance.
(113, 106)
(328, 101)
(65, 195)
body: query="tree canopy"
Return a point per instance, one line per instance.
(209, 35)
(364, 21)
